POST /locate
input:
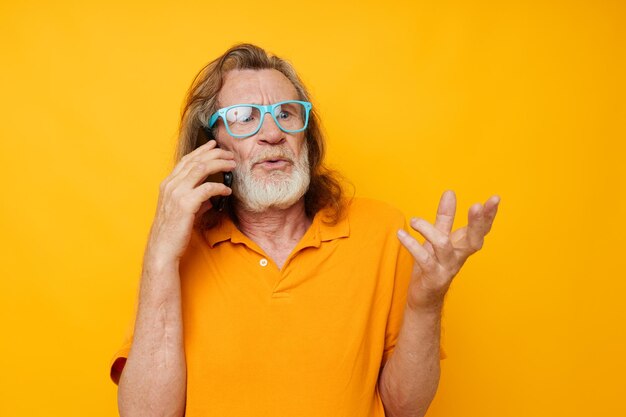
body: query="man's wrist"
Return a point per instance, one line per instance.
(430, 307)
(154, 263)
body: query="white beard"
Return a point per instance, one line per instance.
(276, 189)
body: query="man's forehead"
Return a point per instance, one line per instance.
(256, 87)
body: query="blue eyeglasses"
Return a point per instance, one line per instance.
(243, 120)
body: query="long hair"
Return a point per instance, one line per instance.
(325, 190)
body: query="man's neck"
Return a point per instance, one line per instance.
(276, 231)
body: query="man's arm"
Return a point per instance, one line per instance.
(409, 380)
(154, 379)
(153, 382)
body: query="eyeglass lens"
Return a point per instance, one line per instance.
(243, 120)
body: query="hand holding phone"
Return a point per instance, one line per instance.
(184, 198)
(226, 178)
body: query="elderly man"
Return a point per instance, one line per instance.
(279, 296)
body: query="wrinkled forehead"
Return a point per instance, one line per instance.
(266, 86)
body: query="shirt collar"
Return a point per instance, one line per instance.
(318, 232)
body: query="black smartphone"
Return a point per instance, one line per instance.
(218, 202)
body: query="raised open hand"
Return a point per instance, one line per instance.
(444, 252)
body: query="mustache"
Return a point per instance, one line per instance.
(274, 153)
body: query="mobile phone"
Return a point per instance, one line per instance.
(218, 202)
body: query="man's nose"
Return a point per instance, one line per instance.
(270, 132)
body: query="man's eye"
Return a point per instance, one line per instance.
(242, 114)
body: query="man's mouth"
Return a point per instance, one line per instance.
(277, 162)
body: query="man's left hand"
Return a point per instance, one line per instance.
(444, 252)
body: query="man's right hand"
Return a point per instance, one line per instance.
(183, 197)
(153, 379)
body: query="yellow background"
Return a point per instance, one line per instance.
(523, 99)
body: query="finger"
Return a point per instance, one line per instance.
(209, 157)
(215, 153)
(193, 200)
(491, 209)
(210, 189)
(445, 215)
(475, 227)
(446, 212)
(423, 258)
(204, 207)
(441, 245)
(191, 155)
(459, 238)
(201, 170)
(205, 155)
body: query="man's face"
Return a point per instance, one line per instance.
(272, 166)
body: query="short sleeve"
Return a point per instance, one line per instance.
(404, 267)
(118, 360)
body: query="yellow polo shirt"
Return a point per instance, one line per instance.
(307, 340)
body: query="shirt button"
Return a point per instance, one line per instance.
(263, 262)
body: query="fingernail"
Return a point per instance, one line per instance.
(402, 233)
(497, 200)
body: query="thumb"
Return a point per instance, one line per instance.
(204, 207)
